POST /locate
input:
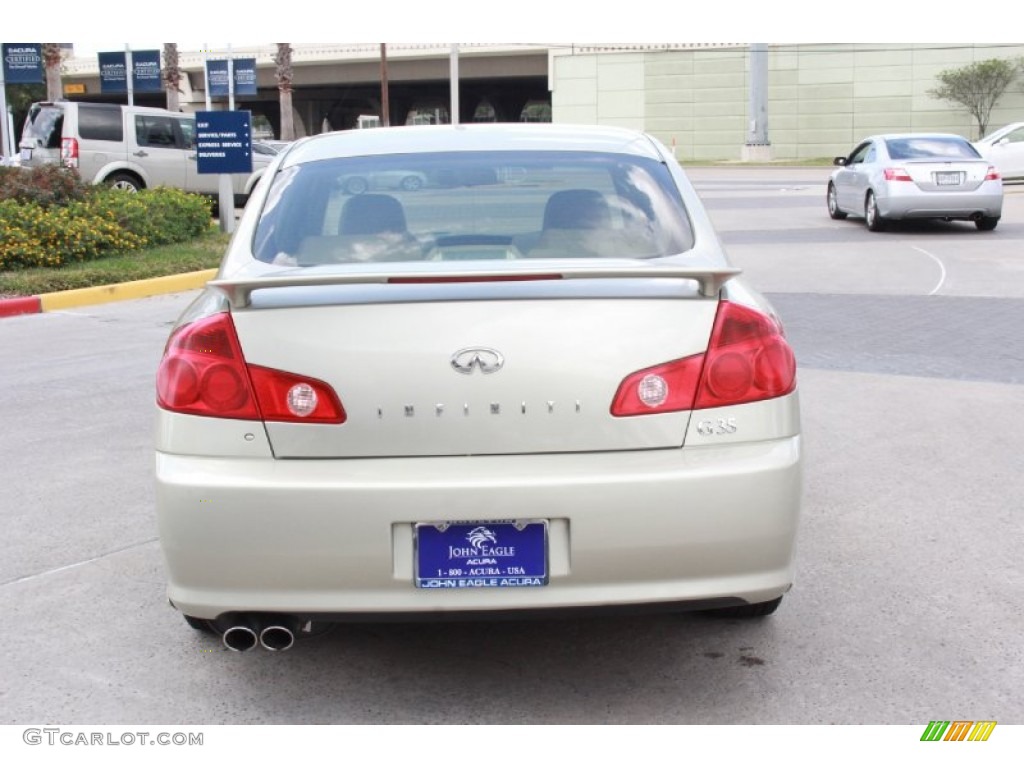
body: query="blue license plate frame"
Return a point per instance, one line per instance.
(481, 554)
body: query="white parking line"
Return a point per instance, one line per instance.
(942, 268)
(50, 572)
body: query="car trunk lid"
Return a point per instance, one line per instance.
(457, 368)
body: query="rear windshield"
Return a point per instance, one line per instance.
(472, 205)
(928, 147)
(45, 124)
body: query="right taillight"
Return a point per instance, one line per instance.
(992, 174)
(69, 153)
(204, 373)
(897, 174)
(748, 359)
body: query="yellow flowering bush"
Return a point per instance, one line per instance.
(104, 223)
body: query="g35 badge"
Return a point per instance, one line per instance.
(716, 427)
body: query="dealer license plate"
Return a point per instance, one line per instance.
(947, 178)
(503, 553)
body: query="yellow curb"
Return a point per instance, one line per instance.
(136, 289)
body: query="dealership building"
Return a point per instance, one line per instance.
(816, 99)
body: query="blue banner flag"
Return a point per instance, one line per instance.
(245, 77)
(112, 72)
(23, 63)
(146, 72)
(217, 77)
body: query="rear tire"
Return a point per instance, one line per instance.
(875, 221)
(987, 223)
(833, 204)
(125, 182)
(750, 611)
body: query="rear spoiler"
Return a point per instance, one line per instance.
(710, 279)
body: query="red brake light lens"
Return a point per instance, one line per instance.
(204, 373)
(661, 389)
(748, 359)
(288, 397)
(69, 153)
(992, 174)
(897, 174)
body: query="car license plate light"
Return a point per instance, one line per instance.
(501, 553)
(948, 178)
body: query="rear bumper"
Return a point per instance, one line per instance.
(953, 205)
(335, 537)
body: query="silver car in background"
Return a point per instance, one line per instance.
(538, 386)
(915, 176)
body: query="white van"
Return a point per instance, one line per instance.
(131, 148)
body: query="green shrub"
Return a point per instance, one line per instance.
(159, 216)
(45, 185)
(103, 223)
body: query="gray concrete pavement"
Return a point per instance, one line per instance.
(909, 594)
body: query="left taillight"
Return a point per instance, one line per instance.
(204, 373)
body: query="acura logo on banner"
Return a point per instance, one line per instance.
(23, 63)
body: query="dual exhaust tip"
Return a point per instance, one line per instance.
(276, 634)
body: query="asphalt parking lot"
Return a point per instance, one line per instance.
(909, 594)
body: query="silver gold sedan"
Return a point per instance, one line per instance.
(915, 176)
(542, 393)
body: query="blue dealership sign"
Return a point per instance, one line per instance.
(23, 63)
(112, 72)
(224, 142)
(146, 72)
(217, 77)
(245, 77)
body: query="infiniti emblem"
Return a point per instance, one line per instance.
(486, 359)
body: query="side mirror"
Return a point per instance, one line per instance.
(1003, 141)
(839, 161)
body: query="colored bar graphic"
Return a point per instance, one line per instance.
(958, 730)
(982, 730)
(935, 730)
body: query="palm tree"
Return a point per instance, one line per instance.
(172, 76)
(284, 75)
(52, 61)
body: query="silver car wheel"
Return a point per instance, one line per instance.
(833, 204)
(875, 221)
(123, 182)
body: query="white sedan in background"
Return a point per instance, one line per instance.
(1005, 149)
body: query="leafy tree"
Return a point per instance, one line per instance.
(172, 76)
(977, 87)
(284, 74)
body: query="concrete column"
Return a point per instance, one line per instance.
(758, 147)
